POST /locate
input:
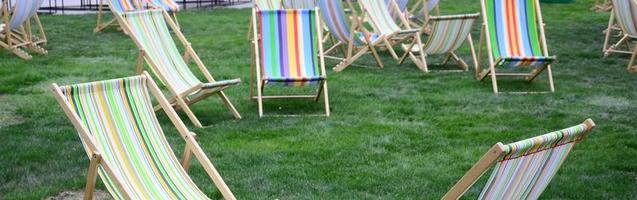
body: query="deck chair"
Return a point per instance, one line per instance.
(381, 20)
(299, 4)
(447, 35)
(17, 26)
(288, 53)
(523, 169)
(353, 41)
(514, 39)
(125, 143)
(421, 11)
(150, 33)
(602, 6)
(118, 7)
(624, 13)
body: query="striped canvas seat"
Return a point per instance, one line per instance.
(168, 5)
(522, 170)
(119, 115)
(289, 47)
(514, 35)
(299, 4)
(447, 35)
(23, 10)
(268, 4)
(381, 19)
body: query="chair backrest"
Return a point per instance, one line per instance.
(120, 122)
(381, 19)
(626, 14)
(151, 33)
(268, 4)
(22, 11)
(299, 4)
(288, 47)
(426, 6)
(449, 33)
(513, 28)
(168, 5)
(527, 167)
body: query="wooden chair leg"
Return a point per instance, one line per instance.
(91, 176)
(229, 105)
(187, 157)
(494, 82)
(631, 68)
(376, 57)
(260, 98)
(326, 99)
(550, 74)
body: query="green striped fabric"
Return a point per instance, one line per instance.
(527, 166)
(150, 30)
(119, 115)
(380, 17)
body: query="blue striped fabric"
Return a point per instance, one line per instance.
(23, 10)
(334, 17)
(121, 6)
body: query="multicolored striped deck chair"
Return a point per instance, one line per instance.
(299, 4)
(421, 11)
(122, 6)
(402, 4)
(17, 31)
(125, 143)
(624, 14)
(381, 20)
(289, 52)
(522, 170)
(514, 34)
(150, 33)
(447, 35)
(353, 40)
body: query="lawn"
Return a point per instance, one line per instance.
(395, 133)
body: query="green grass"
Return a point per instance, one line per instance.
(395, 133)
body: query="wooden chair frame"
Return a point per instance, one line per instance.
(484, 164)
(22, 37)
(351, 52)
(254, 5)
(420, 6)
(101, 24)
(192, 146)
(260, 84)
(484, 34)
(422, 63)
(405, 35)
(625, 39)
(602, 6)
(180, 100)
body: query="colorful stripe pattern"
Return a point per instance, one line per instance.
(268, 4)
(289, 47)
(121, 6)
(380, 17)
(334, 17)
(449, 33)
(168, 5)
(514, 35)
(23, 10)
(149, 28)
(402, 5)
(528, 166)
(299, 4)
(119, 115)
(626, 14)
